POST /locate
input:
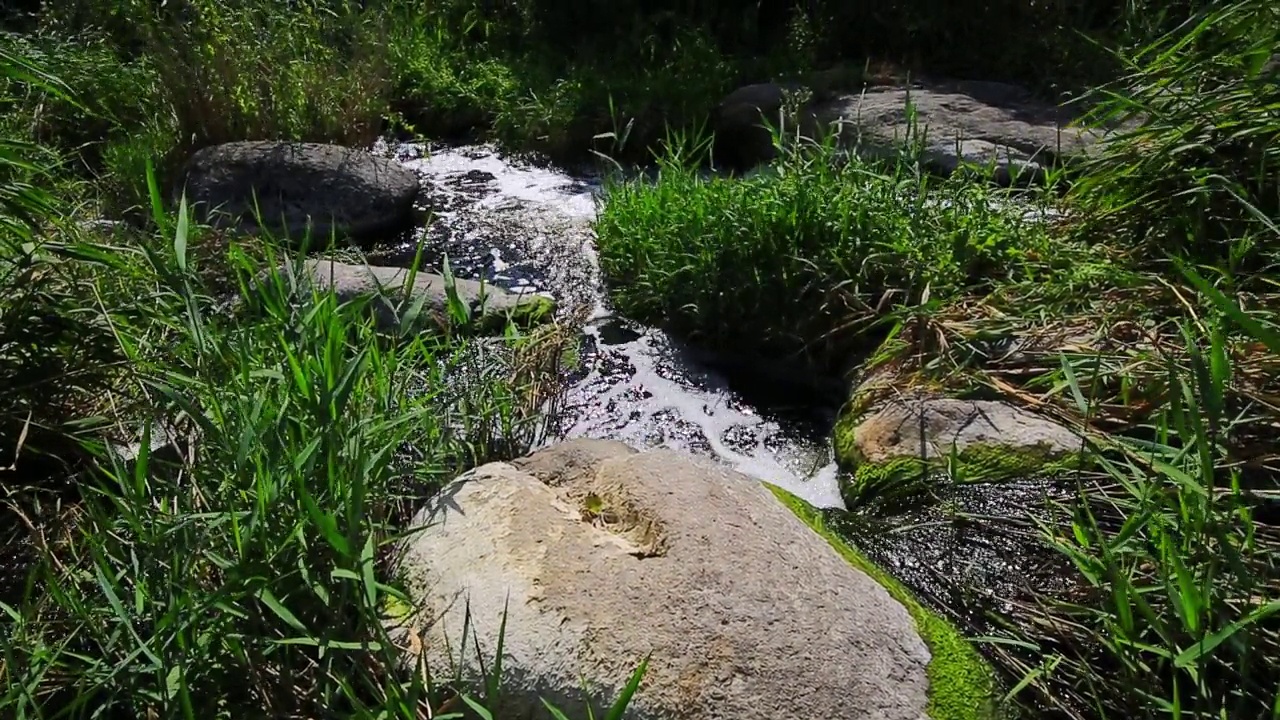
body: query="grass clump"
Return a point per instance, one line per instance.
(1175, 546)
(803, 258)
(239, 565)
(247, 574)
(1196, 172)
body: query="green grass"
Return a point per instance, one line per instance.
(247, 576)
(160, 81)
(807, 258)
(1171, 547)
(1200, 178)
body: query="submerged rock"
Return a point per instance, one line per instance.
(300, 187)
(602, 556)
(488, 305)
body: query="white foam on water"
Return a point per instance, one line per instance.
(661, 394)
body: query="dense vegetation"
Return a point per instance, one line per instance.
(317, 435)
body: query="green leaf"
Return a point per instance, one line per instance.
(556, 713)
(1193, 654)
(269, 599)
(1265, 335)
(619, 707)
(477, 707)
(180, 234)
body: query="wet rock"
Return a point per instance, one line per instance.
(488, 305)
(900, 442)
(980, 123)
(328, 189)
(607, 556)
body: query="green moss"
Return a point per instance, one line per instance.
(991, 463)
(978, 463)
(961, 684)
(528, 313)
(900, 476)
(842, 437)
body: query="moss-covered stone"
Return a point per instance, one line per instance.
(961, 683)
(974, 464)
(866, 481)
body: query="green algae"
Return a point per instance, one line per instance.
(961, 683)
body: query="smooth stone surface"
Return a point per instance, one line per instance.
(331, 190)
(987, 124)
(929, 427)
(488, 304)
(607, 556)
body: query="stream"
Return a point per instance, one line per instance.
(527, 228)
(969, 551)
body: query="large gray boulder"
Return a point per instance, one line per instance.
(602, 556)
(943, 124)
(488, 305)
(327, 189)
(979, 123)
(744, 122)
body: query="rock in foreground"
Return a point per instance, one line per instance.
(489, 305)
(606, 556)
(327, 189)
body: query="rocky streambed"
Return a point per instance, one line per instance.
(930, 496)
(526, 227)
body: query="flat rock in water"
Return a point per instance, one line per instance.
(327, 188)
(929, 427)
(602, 556)
(488, 304)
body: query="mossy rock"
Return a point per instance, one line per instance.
(906, 443)
(982, 463)
(530, 312)
(962, 684)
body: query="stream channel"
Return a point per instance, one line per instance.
(526, 227)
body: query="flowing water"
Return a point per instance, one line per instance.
(527, 228)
